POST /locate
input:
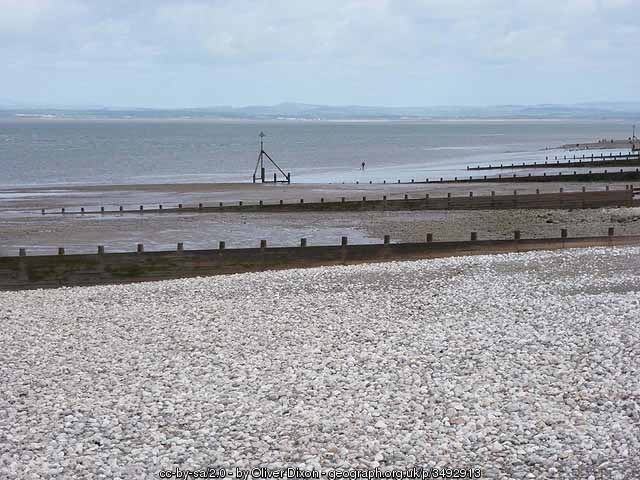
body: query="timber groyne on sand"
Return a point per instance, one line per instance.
(560, 200)
(620, 160)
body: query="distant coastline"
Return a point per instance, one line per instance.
(306, 112)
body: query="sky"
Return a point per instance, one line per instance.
(173, 54)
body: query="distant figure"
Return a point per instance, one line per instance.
(363, 166)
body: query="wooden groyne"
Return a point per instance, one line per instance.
(605, 176)
(559, 200)
(622, 160)
(47, 271)
(601, 145)
(589, 176)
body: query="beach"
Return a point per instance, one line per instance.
(519, 365)
(22, 225)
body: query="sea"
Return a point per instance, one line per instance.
(56, 152)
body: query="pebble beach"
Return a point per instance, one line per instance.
(522, 365)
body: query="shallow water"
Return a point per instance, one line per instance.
(65, 152)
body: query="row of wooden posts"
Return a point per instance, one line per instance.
(303, 242)
(591, 159)
(485, 177)
(201, 206)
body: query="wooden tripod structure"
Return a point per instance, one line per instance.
(261, 162)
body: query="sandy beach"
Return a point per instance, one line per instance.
(22, 225)
(32, 199)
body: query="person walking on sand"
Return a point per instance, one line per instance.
(363, 166)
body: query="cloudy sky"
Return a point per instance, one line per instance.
(161, 53)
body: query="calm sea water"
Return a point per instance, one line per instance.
(63, 152)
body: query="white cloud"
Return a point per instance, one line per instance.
(329, 40)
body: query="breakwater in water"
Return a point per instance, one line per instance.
(48, 271)
(605, 176)
(620, 160)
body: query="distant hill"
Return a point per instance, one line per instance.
(587, 111)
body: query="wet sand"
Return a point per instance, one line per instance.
(32, 200)
(42, 235)
(21, 224)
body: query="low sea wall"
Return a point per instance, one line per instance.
(24, 272)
